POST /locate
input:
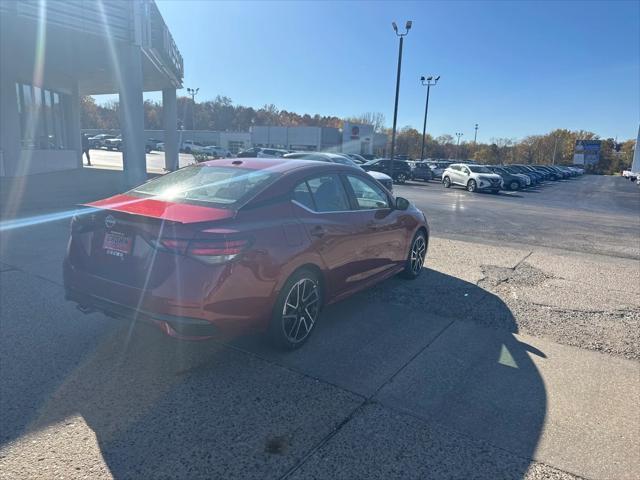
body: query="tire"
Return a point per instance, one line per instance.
(401, 178)
(471, 185)
(514, 185)
(298, 306)
(416, 256)
(187, 150)
(446, 181)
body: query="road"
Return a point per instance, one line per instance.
(595, 214)
(500, 361)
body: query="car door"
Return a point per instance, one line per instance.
(337, 232)
(386, 236)
(464, 175)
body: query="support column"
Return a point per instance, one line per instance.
(73, 127)
(131, 111)
(10, 132)
(170, 121)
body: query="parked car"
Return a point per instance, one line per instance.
(438, 167)
(191, 146)
(472, 177)
(342, 159)
(152, 144)
(536, 177)
(249, 153)
(271, 153)
(97, 141)
(116, 144)
(216, 151)
(511, 181)
(241, 245)
(422, 171)
(356, 158)
(401, 169)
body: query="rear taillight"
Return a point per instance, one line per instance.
(209, 250)
(218, 250)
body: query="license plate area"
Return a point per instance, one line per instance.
(117, 244)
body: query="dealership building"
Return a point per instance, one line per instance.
(52, 53)
(352, 138)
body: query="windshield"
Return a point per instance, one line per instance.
(223, 186)
(479, 169)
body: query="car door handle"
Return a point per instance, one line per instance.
(318, 231)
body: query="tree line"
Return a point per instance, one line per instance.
(221, 114)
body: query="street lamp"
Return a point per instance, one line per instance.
(395, 108)
(430, 81)
(458, 134)
(192, 93)
(475, 135)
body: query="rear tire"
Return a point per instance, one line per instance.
(416, 256)
(296, 310)
(446, 181)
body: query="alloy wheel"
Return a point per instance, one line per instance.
(300, 310)
(418, 252)
(471, 186)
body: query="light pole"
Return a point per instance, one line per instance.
(475, 135)
(395, 108)
(430, 81)
(192, 93)
(555, 146)
(458, 134)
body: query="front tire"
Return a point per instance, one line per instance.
(415, 259)
(514, 185)
(472, 186)
(296, 310)
(401, 178)
(446, 181)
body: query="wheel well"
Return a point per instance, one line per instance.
(315, 269)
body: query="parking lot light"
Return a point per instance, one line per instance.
(458, 134)
(429, 81)
(395, 108)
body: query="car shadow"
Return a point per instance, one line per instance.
(438, 348)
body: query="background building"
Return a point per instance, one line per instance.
(54, 52)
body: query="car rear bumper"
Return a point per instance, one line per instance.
(184, 307)
(184, 328)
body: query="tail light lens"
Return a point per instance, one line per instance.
(219, 249)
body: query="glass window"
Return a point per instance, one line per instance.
(328, 194)
(207, 184)
(368, 195)
(41, 117)
(479, 169)
(302, 195)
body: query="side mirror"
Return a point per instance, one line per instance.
(402, 203)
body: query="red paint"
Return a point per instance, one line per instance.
(238, 294)
(171, 211)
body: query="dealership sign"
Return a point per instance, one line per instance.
(586, 152)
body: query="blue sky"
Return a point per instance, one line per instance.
(516, 68)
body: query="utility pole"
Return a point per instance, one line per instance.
(426, 109)
(395, 108)
(555, 146)
(192, 92)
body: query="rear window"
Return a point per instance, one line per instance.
(202, 184)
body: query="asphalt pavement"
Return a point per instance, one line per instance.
(515, 355)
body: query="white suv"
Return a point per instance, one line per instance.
(472, 177)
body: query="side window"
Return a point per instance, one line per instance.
(302, 195)
(465, 170)
(328, 194)
(368, 195)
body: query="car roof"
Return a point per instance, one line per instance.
(281, 165)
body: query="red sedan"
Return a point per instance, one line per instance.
(241, 245)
